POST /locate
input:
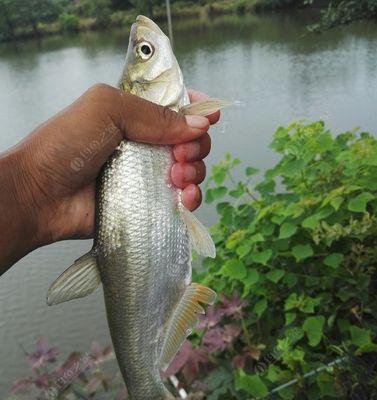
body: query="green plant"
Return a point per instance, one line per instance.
(342, 12)
(301, 250)
(80, 376)
(296, 316)
(69, 22)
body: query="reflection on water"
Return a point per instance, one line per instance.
(268, 63)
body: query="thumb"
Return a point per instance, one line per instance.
(143, 121)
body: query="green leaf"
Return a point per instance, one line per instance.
(360, 336)
(260, 307)
(219, 192)
(336, 202)
(309, 303)
(367, 348)
(275, 275)
(302, 251)
(287, 229)
(326, 384)
(290, 280)
(262, 257)
(243, 250)
(310, 222)
(208, 197)
(252, 384)
(237, 193)
(278, 219)
(290, 317)
(333, 260)
(292, 301)
(219, 176)
(257, 238)
(313, 327)
(267, 229)
(291, 168)
(234, 269)
(359, 203)
(251, 171)
(252, 277)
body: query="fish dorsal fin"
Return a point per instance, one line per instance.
(78, 280)
(200, 239)
(184, 320)
(205, 107)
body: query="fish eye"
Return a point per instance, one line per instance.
(145, 50)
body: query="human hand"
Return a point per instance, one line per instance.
(48, 179)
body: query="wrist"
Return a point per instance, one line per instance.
(19, 221)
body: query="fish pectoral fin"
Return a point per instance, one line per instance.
(200, 239)
(77, 281)
(205, 107)
(185, 320)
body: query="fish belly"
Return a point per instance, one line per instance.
(144, 257)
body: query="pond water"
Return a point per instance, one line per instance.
(268, 63)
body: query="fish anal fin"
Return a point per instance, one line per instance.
(184, 320)
(205, 107)
(78, 280)
(200, 239)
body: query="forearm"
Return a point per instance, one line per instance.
(18, 233)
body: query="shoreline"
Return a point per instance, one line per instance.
(124, 18)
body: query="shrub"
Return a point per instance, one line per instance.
(296, 316)
(298, 256)
(69, 22)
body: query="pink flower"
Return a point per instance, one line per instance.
(188, 361)
(239, 361)
(44, 353)
(210, 319)
(21, 384)
(98, 355)
(214, 339)
(230, 332)
(218, 339)
(232, 306)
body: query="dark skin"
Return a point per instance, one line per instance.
(46, 197)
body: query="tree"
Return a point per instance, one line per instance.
(8, 18)
(33, 12)
(146, 6)
(121, 4)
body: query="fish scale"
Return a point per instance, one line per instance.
(139, 202)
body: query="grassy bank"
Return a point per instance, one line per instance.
(70, 20)
(38, 18)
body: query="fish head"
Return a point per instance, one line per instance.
(151, 69)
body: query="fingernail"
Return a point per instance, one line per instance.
(189, 173)
(196, 121)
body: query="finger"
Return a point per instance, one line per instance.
(191, 197)
(144, 121)
(184, 174)
(194, 96)
(193, 151)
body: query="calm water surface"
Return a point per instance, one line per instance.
(267, 63)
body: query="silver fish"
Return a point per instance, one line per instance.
(144, 235)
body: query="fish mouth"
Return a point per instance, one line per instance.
(142, 20)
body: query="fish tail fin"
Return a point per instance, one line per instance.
(78, 280)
